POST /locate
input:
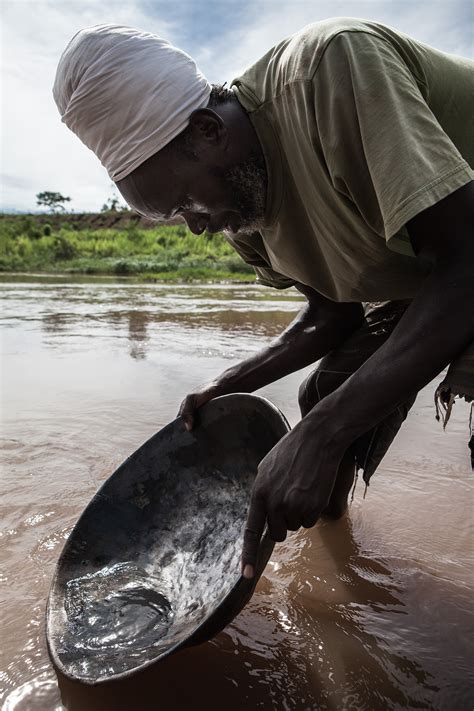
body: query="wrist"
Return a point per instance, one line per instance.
(330, 420)
(223, 385)
(230, 381)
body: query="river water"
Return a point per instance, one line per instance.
(371, 612)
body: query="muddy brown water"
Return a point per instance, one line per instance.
(371, 612)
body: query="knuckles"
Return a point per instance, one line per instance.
(296, 503)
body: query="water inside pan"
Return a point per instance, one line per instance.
(116, 608)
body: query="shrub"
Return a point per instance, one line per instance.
(134, 234)
(63, 248)
(122, 268)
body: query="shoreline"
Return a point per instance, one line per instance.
(134, 278)
(117, 246)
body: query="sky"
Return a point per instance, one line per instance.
(224, 37)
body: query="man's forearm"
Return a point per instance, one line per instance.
(308, 338)
(434, 330)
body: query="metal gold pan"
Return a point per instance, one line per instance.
(153, 564)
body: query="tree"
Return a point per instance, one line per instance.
(112, 205)
(53, 201)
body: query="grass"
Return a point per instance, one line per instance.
(160, 253)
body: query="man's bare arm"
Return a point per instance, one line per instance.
(436, 327)
(296, 478)
(320, 326)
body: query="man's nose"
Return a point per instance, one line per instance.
(196, 221)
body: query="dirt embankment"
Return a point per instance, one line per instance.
(116, 219)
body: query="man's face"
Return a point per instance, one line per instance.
(209, 194)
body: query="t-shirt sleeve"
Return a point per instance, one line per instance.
(253, 252)
(384, 148)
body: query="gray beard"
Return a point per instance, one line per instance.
(248, 182)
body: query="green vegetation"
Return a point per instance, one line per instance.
(71, 245)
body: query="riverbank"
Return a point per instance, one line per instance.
(116, 244)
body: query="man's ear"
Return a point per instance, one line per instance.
(206, 126)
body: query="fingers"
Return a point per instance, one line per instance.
(277, 527)
(300, 513)
(186, 411)
(193, 402)
(253, 533)
(309, 519)
(279, 524)
(292, 519)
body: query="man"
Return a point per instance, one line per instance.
(340, 163)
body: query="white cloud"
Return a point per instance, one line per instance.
(40, 153)
(36, 146)
(439, 23)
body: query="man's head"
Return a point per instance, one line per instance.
(213, 174)
(171, 142)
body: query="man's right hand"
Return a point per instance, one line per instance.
(194, 401)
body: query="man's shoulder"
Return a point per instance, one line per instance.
(294, 59)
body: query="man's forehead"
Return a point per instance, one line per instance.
(131, 194)
(142, 190)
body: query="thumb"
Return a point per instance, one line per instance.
(186, 411)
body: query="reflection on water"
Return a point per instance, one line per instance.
(371, 612)
(55, 323)
(137, 323)
(144, 314)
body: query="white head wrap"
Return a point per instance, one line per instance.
(126, 93)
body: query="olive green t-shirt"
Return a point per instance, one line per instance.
(362, 128)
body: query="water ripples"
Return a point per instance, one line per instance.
(371, 612)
